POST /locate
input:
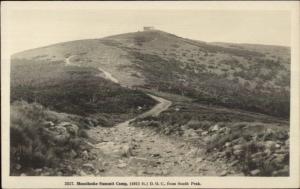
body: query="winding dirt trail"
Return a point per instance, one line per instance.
(125, 150)
(108, 75)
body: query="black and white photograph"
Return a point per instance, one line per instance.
(135, 89)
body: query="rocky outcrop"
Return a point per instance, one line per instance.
(255, 154)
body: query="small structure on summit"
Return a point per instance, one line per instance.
(148, 28)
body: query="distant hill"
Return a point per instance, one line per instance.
(245, 76)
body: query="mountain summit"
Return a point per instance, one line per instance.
(150, 104)
(244, 76)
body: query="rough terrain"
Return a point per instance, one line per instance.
(124, 150)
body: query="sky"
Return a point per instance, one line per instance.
(31, 28)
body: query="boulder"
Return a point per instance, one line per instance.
(48, 124)
(122, 165)
(73, 129)
(155, 155)
(221, 154)
(238, 152)
(271, 145)
(269, 133)
(184, 127)
(59, 130)
(70, 127)
(227, 144)
(85, 155)
(106, 147)
(88, 167)
(195, 124)
(223, 173)
(204, 133)
(59, 133)
(255, 172)
(114, 150)
(199, 131)
(82, 173)
(215, 127)
(238, 147)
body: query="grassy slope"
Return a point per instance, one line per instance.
(44, 91)
(250, 77)
(72, 89)
(34, 143)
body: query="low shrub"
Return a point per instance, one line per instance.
(37, 142)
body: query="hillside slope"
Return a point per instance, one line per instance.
(75, 90)
(65, 96)
(250, 77)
